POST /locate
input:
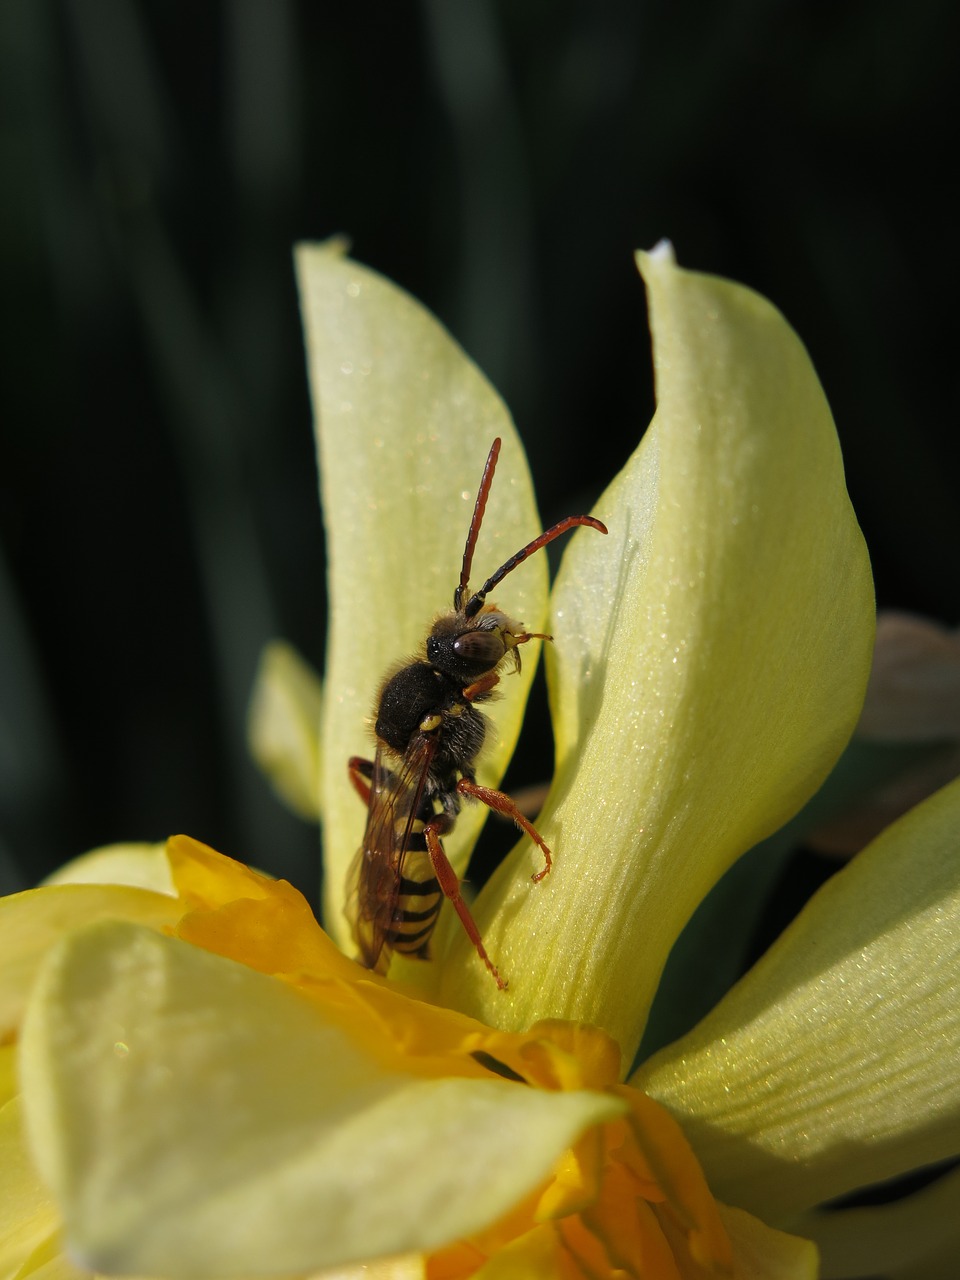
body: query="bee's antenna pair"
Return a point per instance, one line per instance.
(475, 603)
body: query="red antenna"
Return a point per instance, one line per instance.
(475, 603)
(486, 480)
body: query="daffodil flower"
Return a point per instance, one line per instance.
(241, 1099)
(213, 1089)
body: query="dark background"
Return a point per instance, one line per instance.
(158, 508)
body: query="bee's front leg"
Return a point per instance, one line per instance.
(502, 804)
(481, 686)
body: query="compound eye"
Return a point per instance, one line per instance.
(485, 648)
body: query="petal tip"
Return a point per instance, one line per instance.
(334, 247)
(661, 255)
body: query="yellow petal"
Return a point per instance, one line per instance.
(49, 1262)
(8, 1074)
(408, 1267)
(761, 1253)
(284, 727)
(836, 1061)
(663, 1157)
(195, 1118)
(31, 922)
(710, 660)
(141, 866)
(206, 880)
(404, 421)
(533, 1256)
(27, 1213)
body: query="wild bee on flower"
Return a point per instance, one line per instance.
(429, 732)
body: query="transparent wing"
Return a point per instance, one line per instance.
(373, 880)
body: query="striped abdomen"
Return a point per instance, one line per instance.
(418, 902)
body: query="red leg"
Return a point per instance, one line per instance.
(502, 804)
(483, 685)
(450, 885)
(359, 772)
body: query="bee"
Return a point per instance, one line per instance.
(429, 732)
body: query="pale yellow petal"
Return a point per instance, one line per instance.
(27, 1213)
(195, 1118)
(48, 1262)
(31, 922)
(140, 865)
(8, 1073)
(404, 421)
(710, 660)
(762, 1253)
(836, 1061)
(408, 1267)
(283, 727)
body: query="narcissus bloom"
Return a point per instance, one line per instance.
(212, 1089)
(240, 1099)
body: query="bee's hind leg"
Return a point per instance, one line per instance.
(450, 887)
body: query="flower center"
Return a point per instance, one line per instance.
(630, 1196)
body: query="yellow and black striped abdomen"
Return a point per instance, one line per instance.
(418, 901)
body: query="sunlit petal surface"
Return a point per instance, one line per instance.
(169, 1085)
(710, 660)
(31, 922)
(404, 421)
(835, 1062)
(171, 1093)
(141, 866)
